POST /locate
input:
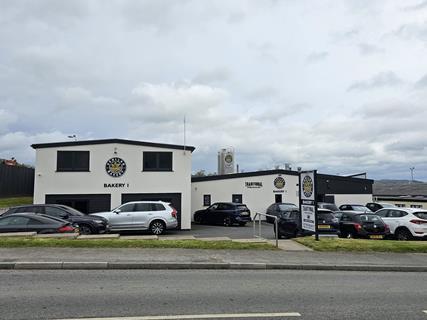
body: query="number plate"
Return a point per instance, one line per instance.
(324, 226)
(376, 237)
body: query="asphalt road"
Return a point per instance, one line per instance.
(67, 294)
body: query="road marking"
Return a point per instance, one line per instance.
(200, 316)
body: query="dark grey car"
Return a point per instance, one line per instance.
(277, 209)
(31, 222)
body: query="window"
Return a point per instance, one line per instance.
(128, 207)
(34, 222)
(206, 200)
(400, 205)
(237, 198)
(143, 207)
(396, 214)
(157, 161)
(55, 212)
(14, 221)
(157, 207)
(72, 161)
(417, 206)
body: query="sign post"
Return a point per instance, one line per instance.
(308, 201)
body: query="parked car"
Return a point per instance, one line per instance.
(362, 225)
(405, 223)
(32, 222)
(155, 216)
(375, 206)
(88, 224)
(225, 213)
(354, 207)
(277, 209)
(289, 225)
(327, 205)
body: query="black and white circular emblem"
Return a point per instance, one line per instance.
(279, 183)
(307, 186)
(115, 167)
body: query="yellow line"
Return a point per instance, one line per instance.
(200, 316)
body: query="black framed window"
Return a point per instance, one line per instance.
(237, 198)
(157, 161)
(206, 200)
(72, 161)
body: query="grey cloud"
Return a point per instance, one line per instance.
(419, 6)
(316, 56)
(417, 31)
(217, 75)
(391, 110)
(421, 83)
(369, 49)
(380, 80)
(263, 93)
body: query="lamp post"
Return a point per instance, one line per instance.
(73, 136)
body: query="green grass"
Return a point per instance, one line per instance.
(11, 202)
(361, 245)
(22, 242)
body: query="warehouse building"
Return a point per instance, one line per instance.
(99, 175)
(260, 189)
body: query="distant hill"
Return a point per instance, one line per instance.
(399, 188)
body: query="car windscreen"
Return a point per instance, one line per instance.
(286, 207)
(361, 208)
(330, 206)
(421, 215)
(325, 215)
(370, 218)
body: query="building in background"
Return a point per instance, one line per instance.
(226, 161)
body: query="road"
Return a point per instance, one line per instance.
(68, 294)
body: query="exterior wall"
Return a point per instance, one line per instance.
(257, 199)
(48, 181)
(352, 199)
(406, 203)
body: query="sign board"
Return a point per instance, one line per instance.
(308, 203)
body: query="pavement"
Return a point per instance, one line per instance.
(136, 258)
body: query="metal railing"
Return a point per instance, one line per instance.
(276, 229)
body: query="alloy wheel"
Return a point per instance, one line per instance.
(157, 228)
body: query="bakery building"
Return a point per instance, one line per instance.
(260, 189)
(99, 175)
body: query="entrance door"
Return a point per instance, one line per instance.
(277, 198)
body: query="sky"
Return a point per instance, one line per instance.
(339, 86)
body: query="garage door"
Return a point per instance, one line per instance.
(173, 198)
(86, 203)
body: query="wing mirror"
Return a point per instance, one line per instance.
(117, 211)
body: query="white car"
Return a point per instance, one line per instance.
(155, 216)
(405, 223)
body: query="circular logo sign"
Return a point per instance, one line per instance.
(115, 167)
(307, 186)
(279, 183)
(228, 158)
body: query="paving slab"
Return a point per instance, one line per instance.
(58, 235)
(18, 234)
(99, 236)
(290, 245)
(213, 238)
(148, 237)
(177, 238)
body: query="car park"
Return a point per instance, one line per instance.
(224, 213)
(289, 224)
(277, 209)
(327, 205)
(375, 206)
(32, 222)
(405, 223)
(354, 207)
(88, 224)
(362, 225)
(154, 216)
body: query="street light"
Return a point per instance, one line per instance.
(73, 137)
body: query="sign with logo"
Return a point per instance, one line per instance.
(279, 182)
(253, 184)
(115, 167)
(228, 159)
(308, 205)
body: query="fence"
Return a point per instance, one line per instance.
(16, 181)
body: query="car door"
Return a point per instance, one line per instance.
(209, 216)
(393, 219)
(14, 224)
(142, 214)
(219, 214)
(55, 212)
(122, 217)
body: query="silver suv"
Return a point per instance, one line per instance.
(155, 216)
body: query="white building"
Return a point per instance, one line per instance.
(260, 189)
(99, 175)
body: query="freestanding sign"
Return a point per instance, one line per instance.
(308, 203)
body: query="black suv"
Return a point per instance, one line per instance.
(225, 213)
(88, 224)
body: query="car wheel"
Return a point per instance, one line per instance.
(157, 227)
(242, 224)
(85, 229)
(403, 234)
(198, 219)
(343, 235)
(227, 222)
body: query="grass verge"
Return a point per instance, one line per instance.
(361, 245)
(17, 201)
(118, 243)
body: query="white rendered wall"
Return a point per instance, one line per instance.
(257, 199)
(48, 181)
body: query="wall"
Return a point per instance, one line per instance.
(352, 199)
(48, 181)
(16, 181)
(257, 199)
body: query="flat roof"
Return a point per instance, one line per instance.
(107, 141)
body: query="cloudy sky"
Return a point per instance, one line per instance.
(339, 86)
